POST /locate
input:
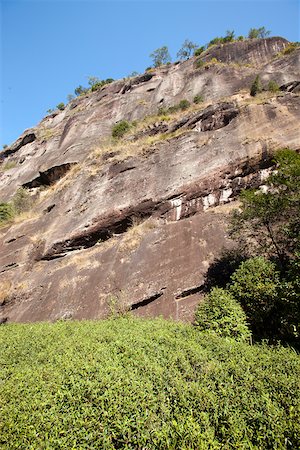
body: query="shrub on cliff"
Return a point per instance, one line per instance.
(220, 313)
(273, 86)
(61, 106)
(258, 33)
(6, 212)
(120, 129)
(256, 87)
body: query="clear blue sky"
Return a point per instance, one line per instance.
(48, 48)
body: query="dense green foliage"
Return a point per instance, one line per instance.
(134, 384)
(270, 298)
(120, 129)
(268, 224)
(255, 285)
(220, 313)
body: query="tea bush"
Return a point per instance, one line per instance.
(222, 314)
(132, 384)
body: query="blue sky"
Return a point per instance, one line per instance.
(48, 48)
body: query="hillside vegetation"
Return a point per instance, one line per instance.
(143, 384)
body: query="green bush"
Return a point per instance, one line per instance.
(223, 315)
(273, 86)
(256, 87)
(6, 212)
(134, 384)
(120, 129)
(198, 98)
(255, 285)
(60, 106)
(181, 106)
(199, 51)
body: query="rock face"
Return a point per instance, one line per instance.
(136, 224)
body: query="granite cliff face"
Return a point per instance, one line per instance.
(136, 223)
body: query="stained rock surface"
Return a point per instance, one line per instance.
(136, 224)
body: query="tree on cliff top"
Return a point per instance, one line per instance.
(188, 47)
(160, 56)
(258, 33)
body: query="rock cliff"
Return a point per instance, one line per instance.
(136, 223)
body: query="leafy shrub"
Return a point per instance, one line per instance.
(255, 286)
(198, 98)
(120, 129)
(199, 50)
(222, 314)
(61, 106)
(6, 212)
(183, 104)
(273, 86)
(256, 87)
(136, 384)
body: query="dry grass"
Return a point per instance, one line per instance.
(5, 291)
(133, 237)
(45, 134)
(262, 98)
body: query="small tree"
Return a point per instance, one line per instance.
(80, 90)
(258, 33)
(230, 35)
(187, 49)
(268, 223)
(223, 315)
(70, 97)
(256, 87)
(160, 56)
